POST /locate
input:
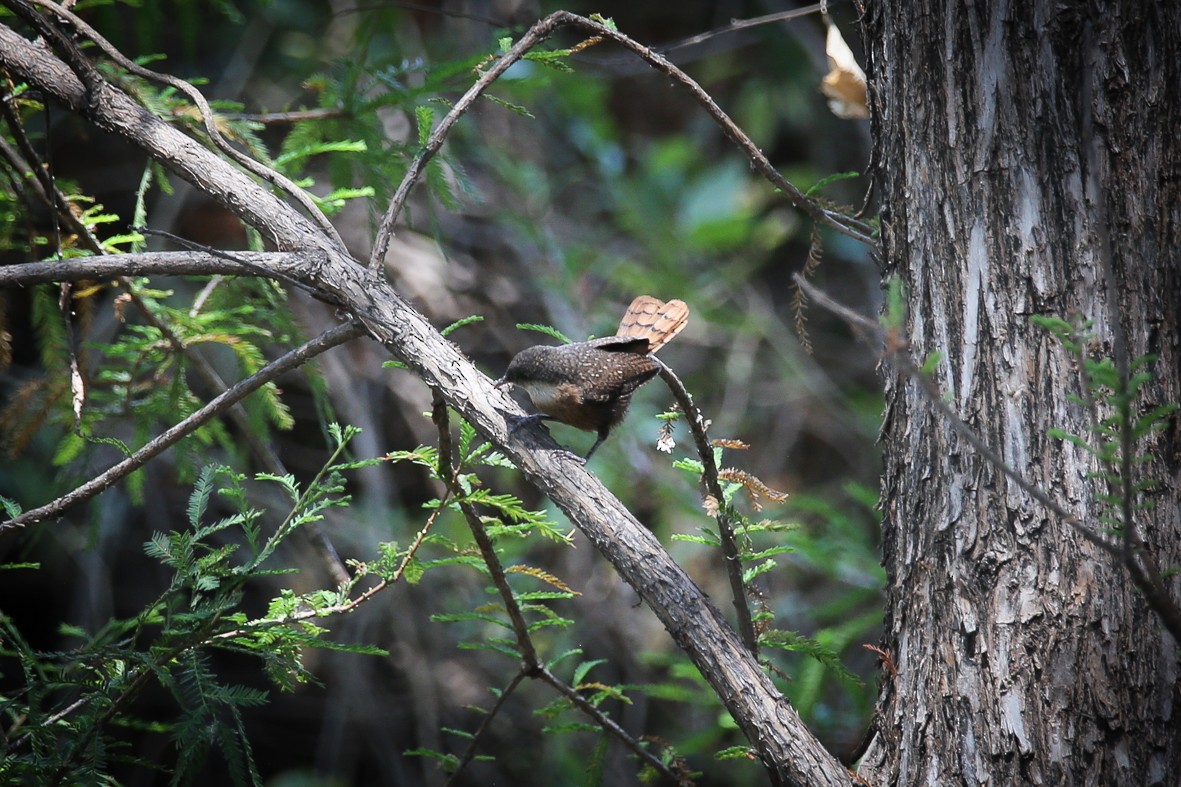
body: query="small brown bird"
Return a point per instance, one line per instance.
(589, 385)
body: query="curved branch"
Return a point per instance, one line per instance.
(846, 225)
(385, 233)
(724, 519)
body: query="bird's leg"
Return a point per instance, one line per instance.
(602, 436)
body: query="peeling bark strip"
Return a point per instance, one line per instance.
(790, 752)
(1012, 140)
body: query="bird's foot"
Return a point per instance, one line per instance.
(515, 423)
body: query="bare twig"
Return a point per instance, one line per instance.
(478, 735)
(297, 357)
(725, 524)
(742, 24)
(429, 8)
(286, 118)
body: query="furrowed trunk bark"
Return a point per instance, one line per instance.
(1028, 162)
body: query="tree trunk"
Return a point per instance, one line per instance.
(1014, 140)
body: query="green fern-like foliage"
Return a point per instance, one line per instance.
(91, 691)
(145, 374)
(1120, 419)
(816, 535)
(363, 97)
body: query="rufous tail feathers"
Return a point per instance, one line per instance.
(653, 319)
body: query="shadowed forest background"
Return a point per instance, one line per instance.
(555, 203)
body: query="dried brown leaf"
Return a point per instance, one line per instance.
(844, 84)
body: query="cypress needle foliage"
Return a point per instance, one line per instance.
(1119, 419)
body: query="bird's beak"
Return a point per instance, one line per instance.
(501, 383)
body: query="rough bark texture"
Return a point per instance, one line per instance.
(1008, 135)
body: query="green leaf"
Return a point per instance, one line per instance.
(11, 508)
(931, 363)
(563, 656)
(749, 574)
(553, 59)
(461, 323)
(515, 108)
(332, 202)
(605, 21)
(425, 117)
(767, 553)
(834, 178)
(582, 669)
(328, 146)
(448, 762)
(793, 641)
(573, 726)
(707, 541)
(547, 330)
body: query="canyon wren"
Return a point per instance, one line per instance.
(589, 385)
